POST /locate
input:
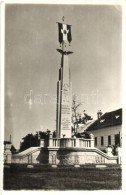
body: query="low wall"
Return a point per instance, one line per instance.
(34, 156)
(67, 142)
(80, 157)
(64, 156)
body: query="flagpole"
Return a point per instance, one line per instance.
(61, 80)
(61, 86)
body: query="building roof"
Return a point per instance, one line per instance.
(108, 119)
(83, 127)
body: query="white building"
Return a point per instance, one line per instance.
(107, 129)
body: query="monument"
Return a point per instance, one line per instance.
(63, 111)
(64, 149)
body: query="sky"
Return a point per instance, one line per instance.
(32, 63)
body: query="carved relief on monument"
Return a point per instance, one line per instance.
(66, 160)
(99, 160)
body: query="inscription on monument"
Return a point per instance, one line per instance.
(65, 109)
(66, 124)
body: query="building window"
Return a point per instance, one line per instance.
(117, 139)
(102, 141)
(109, 140)
(95, 141)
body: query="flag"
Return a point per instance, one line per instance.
(64, 33)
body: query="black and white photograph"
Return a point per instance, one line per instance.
(62, 97)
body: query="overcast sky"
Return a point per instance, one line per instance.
(32, 63)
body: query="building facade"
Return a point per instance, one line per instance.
(107, 129)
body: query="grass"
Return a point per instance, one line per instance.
(62, 178)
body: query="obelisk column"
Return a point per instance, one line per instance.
(65, 129)
(63, 114)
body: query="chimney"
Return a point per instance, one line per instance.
(99, 114)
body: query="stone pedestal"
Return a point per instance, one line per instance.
(109, 151)
(50, 142)
(42, 143)
(52, 157)
(77, 143)
(119, 151)
(92, 143)
(119, 154)
(7, 154)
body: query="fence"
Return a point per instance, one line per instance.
(68, 142)
(60, 159)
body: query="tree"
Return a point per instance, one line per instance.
(13, 149)
(75, 115)
(75, 105)
(27, 142)
(86, 117)
(31, 140)
(84, 135)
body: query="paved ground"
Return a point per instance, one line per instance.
(62, 178)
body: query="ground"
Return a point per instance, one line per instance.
(17, 177)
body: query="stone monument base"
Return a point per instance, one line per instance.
(65, 151)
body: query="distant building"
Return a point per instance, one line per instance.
(107, 129)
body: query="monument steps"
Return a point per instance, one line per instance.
(103, 154)
(33, 150)
(26, 152)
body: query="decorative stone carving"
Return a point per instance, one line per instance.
(91, 136)
(119, 151)
(109, 151)
(66, 160)
(99, 160)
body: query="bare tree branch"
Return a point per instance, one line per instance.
(75, 104)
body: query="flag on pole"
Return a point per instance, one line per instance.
(64, 33)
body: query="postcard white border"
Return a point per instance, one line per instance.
(122, 3)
